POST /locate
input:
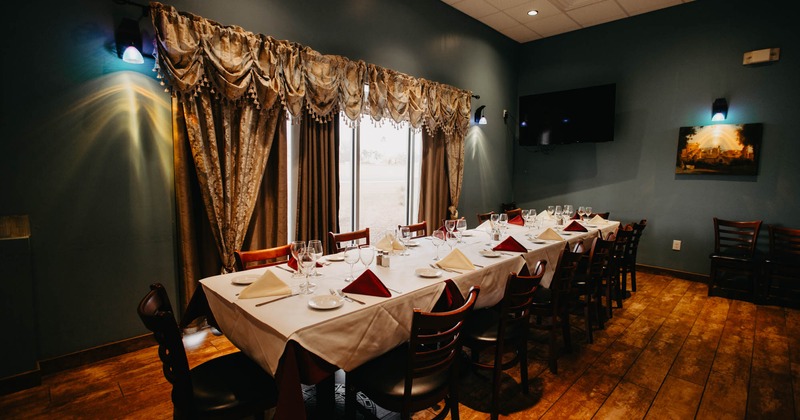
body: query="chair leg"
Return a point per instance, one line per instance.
(349, 400)
(633, 275)
(523, 364)
(552, 358)
(565, 331)
(587, 313)
(496, 373)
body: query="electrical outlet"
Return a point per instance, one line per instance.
(676, 245)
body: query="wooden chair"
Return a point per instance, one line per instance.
(230, 386)
(246, 260)
(482, 217)
(613, 289)
(418, 230)
(629, 263)
(514, 213)
(588, 280)
(336, 239)
(420, 373)
(549, 309)
(734, 267)
(505, 323)
(782, 267)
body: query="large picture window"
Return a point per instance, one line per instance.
(379, 169)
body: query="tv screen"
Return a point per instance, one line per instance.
(584, 115)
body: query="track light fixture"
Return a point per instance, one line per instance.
(128, 37)
(719, 110)
(479, 117)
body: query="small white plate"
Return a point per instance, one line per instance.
(466, 234)
(591, 226)
(539, 242)
(335, 257)
(245, 279)
(428, 272)
(412, 244)
(488, 253)
(325, 302)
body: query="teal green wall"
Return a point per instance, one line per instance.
(669, 66)
(86, 149)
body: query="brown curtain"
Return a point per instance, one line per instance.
(434, 195)
(221, 151)
(318, 180)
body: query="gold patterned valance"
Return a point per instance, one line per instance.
(194, 53)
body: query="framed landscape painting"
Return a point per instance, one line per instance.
(720, 149)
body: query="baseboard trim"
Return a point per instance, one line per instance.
(25, 380)
(700, 278)
(95, 354)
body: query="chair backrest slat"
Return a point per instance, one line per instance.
(247, 260)
(336, 239)
(784, 242)
(736, 238)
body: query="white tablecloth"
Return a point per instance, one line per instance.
(352, 334)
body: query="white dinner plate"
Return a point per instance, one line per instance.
(335, 257)
(325, 302)
(591, 226)
(466, 234)
(488, 253)
(412, 244)
(428, 272)
(245, 279)
(539, 242)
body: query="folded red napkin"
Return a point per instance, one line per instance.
(292, 263)
(575, 227)
(510, 244)
(517, 220)
(368, 284)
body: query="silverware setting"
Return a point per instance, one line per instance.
(449, 270)
(284, 268)
(338, 292)
(275, 300)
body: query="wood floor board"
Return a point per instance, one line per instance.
(670, 352)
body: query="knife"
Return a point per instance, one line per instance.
(275, 300)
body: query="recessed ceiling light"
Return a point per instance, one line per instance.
(533, 12)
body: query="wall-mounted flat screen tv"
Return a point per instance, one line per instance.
(584, 115)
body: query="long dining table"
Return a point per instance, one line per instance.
(299, 344)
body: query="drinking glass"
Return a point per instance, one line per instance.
(306, 262)
(461, 226)
(297, 248)
(588, 212)
(494, 225)
(405, 237)
(351, 256)
(503, 220)
(450, 238)
(568, 213)
(530, 219)
(315, 246)
(450, 225)
(581, 212)
(551, 210)
(437, 237)
(366, 254)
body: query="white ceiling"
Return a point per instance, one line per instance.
(510, 17)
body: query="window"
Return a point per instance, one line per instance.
(379, 169)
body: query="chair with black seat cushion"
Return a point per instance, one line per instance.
(613, 290)
(419, 373)
(734, 266)
(550, 310)
(589, 281)
(629, 262)
(229, 386)
(417, 230)
(506, 323)
(482, 217)
(782, 267)
(335, 240)
(246, 260)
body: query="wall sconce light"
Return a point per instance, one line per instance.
(719, 110)
(128, 37)
(479, 117)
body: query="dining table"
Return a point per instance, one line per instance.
(299, 341)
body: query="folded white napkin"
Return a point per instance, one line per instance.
(550, 234)
(544, 215)
(397, 245)
(485, 226)
(267, 285)
(597, 219)
(456, 260)
(386, 243)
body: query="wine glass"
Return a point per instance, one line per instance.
(503, 221)
(437, 237)
(551, 210)
(450, 239)
(306, 262)
(351, 256)
(581, 212)
(461, 226)
(366, 254)
(494, 226)
(297, 248)
(530, 218)
(450, 225)
(588, 212)
(315, 246)
(568, 213)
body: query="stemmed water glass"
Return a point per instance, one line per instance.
(297, 248)
(315, 247)
(495, 227)
(503, 221)
(581, 212)
(366, 254)
(588, 212)
(450, 225)
(305, 262)
(461, 226)
(437, 237)
(450, 238)
(529, 217)
(405, 237)
(351, 256)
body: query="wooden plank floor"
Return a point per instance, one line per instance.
(672, 352)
